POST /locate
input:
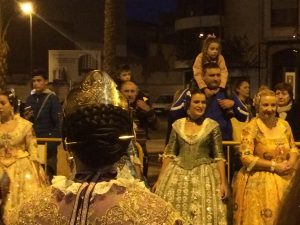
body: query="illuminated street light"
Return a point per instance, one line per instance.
(27, 8)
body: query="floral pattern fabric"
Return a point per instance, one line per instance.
(20, 172)
(258, 194)
(119, 201)
(191, 181)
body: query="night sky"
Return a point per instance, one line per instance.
(149, 10)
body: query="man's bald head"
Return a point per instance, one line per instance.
(130, 90)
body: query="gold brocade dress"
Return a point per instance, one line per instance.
(114, 202)
(191, 180)
(20, 176)
(257, 194)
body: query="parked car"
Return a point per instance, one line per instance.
(162, 104)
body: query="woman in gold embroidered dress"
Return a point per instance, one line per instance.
(193, 177)
(21, 174)
(97, 129)
(269, 155)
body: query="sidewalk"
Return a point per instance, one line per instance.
(155, 147)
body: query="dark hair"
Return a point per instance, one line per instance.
(123, 67)
(39, 72)
(238, 82)
(97, 129)
(209, 65)
(283, 86)
(189, 96)
(13, 100)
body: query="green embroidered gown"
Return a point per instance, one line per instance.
(191, 180)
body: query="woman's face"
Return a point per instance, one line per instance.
(213, 50)
(267, 107)
(5, 107)
(243, 90)
(197, 106)
(283, 97)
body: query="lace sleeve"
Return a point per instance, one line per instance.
(247, 144)
(172, 148)
(217, 144)
(31, 143)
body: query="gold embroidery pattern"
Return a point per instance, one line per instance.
(136, 206)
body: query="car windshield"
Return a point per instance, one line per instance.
(164, 99)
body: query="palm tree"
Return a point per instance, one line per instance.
(110, 35)
(113, 14)
(6, 11)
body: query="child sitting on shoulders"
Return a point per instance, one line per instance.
(211, 52)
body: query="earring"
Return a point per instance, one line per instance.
(72, 164)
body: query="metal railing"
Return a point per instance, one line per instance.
(226, 144)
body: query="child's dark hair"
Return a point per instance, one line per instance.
(39, 72)
(209, 40)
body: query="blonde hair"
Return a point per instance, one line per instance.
(260, 94)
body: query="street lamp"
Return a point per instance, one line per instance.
(27, 8)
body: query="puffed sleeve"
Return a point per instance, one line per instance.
(31, 143)
(224, 71)
(247, 145)
(172, 147)
(217, 144)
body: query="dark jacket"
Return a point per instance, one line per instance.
(293, 119)
(48, 123)
(213, 111)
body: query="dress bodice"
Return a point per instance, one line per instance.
(119, 201)
(18, 143)
(193, 150)
(274, 144)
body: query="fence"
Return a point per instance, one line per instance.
(226, 144)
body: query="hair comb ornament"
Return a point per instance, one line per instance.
(97, 88)
(12, 93)
(211, 35)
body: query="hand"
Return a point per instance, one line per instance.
(142, 105)
(226, 103)
(216, 90)
(224, 191)
(208, 92)
(153, 189)
(28, 114)
(283, 168)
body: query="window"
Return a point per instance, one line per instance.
(284, 13)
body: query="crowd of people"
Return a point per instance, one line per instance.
(104, 124)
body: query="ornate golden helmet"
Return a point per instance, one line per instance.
(97, 88)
